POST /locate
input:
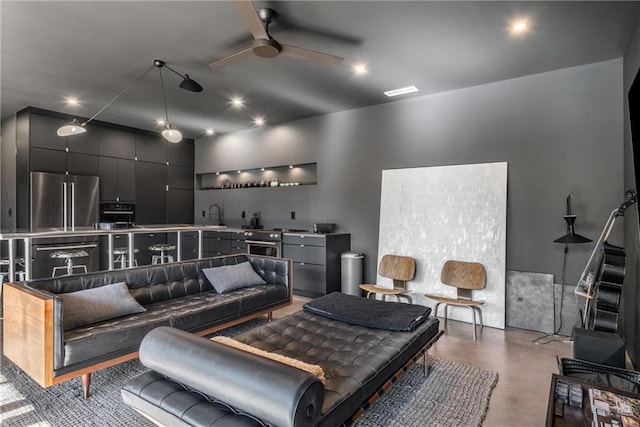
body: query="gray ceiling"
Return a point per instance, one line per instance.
(92, 50)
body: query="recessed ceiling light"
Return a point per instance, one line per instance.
(401, 91)
(520, 26)
(72, 101)
(209, 132)
(236, 101)
(360, 69)
(258, 121)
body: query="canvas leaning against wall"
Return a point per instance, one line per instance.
(448, 212)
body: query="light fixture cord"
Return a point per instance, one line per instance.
(118, 95)
(164, 99)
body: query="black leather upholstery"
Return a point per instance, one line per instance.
(356, 360)
(273, 392)
(174, 294)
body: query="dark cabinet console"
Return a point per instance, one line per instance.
(316, 261)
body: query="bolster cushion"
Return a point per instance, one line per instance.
(275, 393)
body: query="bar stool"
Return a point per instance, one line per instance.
(4, 275)
(162, 248)
(122, 256)
(68, 256)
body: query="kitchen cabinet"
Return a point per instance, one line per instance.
(181, 154)
(179, 207)
(189, 244)
(85, 143)
(117, 143)
(151, 148)
(180, 177)
(117, 179)
(160, 182)
(217, 243)
(238, 242)
(82, 164)
(42, 132)
(151, 193)
(316, 261)
(45, 160)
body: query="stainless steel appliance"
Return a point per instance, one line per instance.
(118, 215)
(63, 202)
(267, 242)
(59, 200)
(264, 242)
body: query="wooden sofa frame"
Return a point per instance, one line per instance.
(28, 335)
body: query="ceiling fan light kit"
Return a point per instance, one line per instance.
(170, 134)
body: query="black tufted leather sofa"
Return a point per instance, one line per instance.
(173, 294)
(196, 382)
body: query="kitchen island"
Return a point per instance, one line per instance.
(26, 236)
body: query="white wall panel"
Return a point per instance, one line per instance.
(448, 212)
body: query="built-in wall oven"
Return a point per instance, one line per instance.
(264, 242)
(117, 215)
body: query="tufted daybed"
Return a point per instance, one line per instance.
(197, 382)
(39, 339)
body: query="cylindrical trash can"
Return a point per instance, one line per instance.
(351, 267)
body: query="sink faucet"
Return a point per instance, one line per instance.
(219, 213)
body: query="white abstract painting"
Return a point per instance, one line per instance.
(435, 214)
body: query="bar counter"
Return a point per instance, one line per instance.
(11, 236)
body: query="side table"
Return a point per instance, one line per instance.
(575, 416)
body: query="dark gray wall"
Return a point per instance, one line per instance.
(561, 133)
(631, 288)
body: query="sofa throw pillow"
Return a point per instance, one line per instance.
(229, 277)
(96, 304)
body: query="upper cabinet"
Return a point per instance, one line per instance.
(42, 132)
(134, 165)
(85, 143)
(151, 148)
(117, 143)
(181, 154)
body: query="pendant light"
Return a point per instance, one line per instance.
(170, 134)
(71, 128)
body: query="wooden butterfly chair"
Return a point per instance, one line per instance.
(398, 268)
(465, 277)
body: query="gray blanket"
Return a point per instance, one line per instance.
(393, 316)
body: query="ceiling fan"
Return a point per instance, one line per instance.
(264, 45)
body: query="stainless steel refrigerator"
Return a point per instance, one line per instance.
(63, 202)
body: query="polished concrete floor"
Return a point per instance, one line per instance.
(524, 367)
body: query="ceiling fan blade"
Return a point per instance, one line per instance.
(231, 59)
(250, 15)
(312, 55)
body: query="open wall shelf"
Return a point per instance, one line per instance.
(267, 177)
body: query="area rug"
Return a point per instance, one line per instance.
(454, 394)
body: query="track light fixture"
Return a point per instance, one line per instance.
(169, 133)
